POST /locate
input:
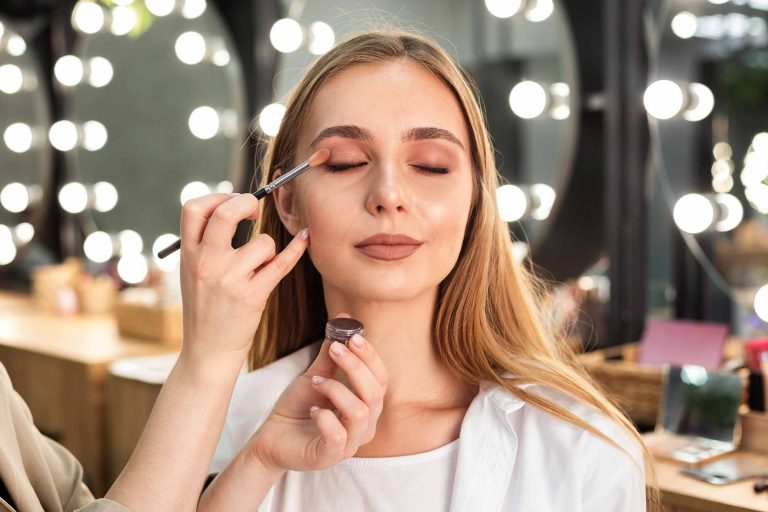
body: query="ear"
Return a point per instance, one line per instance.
(285, 203)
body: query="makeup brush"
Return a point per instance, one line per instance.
(318, 157)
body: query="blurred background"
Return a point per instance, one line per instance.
(632, 136)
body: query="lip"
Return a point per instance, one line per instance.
(388, 246)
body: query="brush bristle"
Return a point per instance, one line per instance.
(319, 157)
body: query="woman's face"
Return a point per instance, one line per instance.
(399, 164)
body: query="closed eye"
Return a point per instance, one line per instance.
(352, 165)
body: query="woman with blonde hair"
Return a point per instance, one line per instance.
(458, 397)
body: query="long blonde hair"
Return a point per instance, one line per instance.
(479, 336)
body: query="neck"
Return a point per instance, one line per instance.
(402, 334)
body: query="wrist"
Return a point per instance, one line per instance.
(210, 371)
(258, 467)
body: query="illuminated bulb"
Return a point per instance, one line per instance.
(286, 35)
(503, 8)
(68, 70)
(722, 183)
(757, 195)
(171, 262)
(718, 2)
(703, 103)
(73, 197)
(664, 99)
(225, 187)
(11, 78)
(7, 247)
(98, 247)
(684, 25)
(24, 232)
(190, 48)
(270, 118)
(18, 137)
(123, 3)
(88, 17)
(542, 10)
(761, 303)
(722, 151)
(193, 9)
(321, 38)
(2, 29)
(520, 250)
(694, 213)
(63, 135)
(15, 45)
(512, 202)
(204, 122)
(760, 143)
(132, 268)
(193, 190)
(160, 8)
(14, 197)
(721, 167)
(545, 199)
(105, 196)
(732, 212)
(561, 108)
(130, 242)
(124, 19)
(100, 71)
(220, 57)
(528, 99)
(94, 135)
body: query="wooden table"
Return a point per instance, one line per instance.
(59, 366)
(682, 493)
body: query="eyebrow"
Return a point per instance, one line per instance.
(351, 131)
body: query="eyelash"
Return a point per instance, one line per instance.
(425, 168)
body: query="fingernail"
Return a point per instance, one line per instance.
(234, 194)
(303, 234)
(338, 348)
(317, 379)
(357, 340)
(313, 409)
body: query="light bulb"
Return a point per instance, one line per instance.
(703, 102)
(18, 137)
(321, 38)
(68, 70)
(88, 17)
(193, 9)
(190, 48)
(733, 212)
(63, 135)
(130, 242)
(220, 57)
(503, 8)
(684, 25)
(541, 10)
(545, 198)
(100, 71)
(124, 19)
(663, 99)
(94, 135)
(270, 118)
(11, 78)
(193, 190)
(722, 151)
(7, 247)
(132, 268)
(24, 232)
(14, 197)
(225, 187)
(15, 45)
(286, 35)
(105, 196)
(528, 99)
(204, 122)
(98, 247)
(73, 197)
(760, 143)
(512, 202)
(160, 8)
(761, 303)
(694, 213)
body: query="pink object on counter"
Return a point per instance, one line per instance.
(680, 342)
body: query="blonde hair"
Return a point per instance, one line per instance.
(479, 336)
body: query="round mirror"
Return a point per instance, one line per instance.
(707, 102)
(25, 156)
(155, 116)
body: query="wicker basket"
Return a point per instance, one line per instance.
(636, 389)
(149, 320)
(96, 295)
(49, 282)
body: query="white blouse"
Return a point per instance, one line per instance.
(510, 456)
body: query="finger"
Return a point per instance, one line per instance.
(360, 376)
(195, 214)
(354, 412)
(257, 251)
(271, 273)
(365, 351)
(323, 364)
(223, 222)
(334, 436)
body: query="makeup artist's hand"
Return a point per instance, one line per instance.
(294, 438)
(224, 290)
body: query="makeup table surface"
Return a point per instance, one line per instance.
(59, 366)
(681, 493)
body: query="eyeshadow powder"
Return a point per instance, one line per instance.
(341, 329)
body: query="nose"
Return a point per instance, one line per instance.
(387, 189)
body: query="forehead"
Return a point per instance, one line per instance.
(387, 98)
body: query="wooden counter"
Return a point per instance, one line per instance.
(59, 366)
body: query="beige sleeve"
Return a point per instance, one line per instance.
(104, 505)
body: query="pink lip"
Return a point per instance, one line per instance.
(389, 246)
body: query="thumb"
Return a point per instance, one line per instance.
(323, 364)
